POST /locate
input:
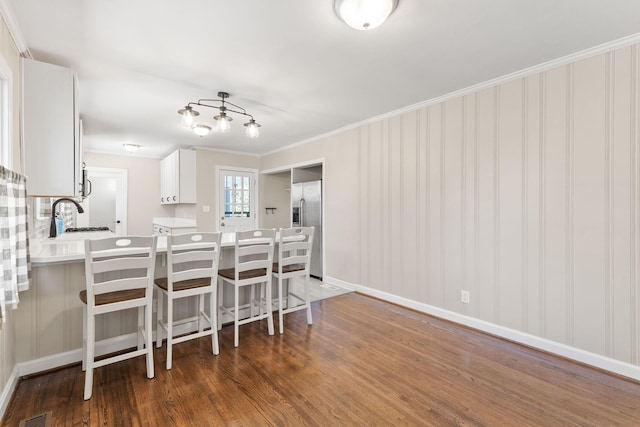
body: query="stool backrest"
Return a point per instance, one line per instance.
(254, 252)
(192, 256)
(294, 248)
(119, 264)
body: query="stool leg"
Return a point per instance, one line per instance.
(214, 319)
(84, 338)
(269, 311)
(160, 318)
(200, 312)
(280, 307)
(307, 300)
(235, 317)
(88, 375)
(252, 296)
(220, 302)
(148, 330)
(169, 331)
(140, 328)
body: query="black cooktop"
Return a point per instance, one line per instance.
(78, 229)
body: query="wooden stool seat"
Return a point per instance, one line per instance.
(183, 285)
(113, 297)
(230, 273)
(287, 268)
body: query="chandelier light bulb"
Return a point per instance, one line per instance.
(364, 14)
(223, 124)
(252, 129)
(188, 116)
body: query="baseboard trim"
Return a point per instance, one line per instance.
(8, 390)
(107, 346)
(573, 353)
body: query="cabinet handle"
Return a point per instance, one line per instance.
(174, 198)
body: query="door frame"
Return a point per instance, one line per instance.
(122, 178)
(256, 174)
(313, 162)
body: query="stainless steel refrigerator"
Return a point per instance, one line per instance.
(306, 203)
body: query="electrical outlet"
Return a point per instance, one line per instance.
(205, 208)
(464, 297)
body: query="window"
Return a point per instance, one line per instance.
(6, 84)
(237, 199)
(237, 196)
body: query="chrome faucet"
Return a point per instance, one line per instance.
(53, 232)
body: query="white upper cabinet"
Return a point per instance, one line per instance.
(178, 177)
(51, 130)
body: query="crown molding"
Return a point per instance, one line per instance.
(14, 28)
(222, 150)
(545, 66)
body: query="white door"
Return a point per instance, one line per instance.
(106, 205)
(237, 205)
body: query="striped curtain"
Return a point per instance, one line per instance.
(14, 238)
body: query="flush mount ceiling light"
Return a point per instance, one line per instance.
(364, 14)
(223, 121)
(132, 148)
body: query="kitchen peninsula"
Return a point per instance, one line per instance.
(50, 315)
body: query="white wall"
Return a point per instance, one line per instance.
(275, 192)
(526, 194)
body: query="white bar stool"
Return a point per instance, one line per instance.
(253, 264)
(119, 276)
(192, 270)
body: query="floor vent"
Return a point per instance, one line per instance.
(42, 420)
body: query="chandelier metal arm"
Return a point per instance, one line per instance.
(201, 103)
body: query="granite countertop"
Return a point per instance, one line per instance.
(69, 247)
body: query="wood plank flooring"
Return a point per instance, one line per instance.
(362, 362)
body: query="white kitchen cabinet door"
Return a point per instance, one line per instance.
(167, 179)
(51, 130)
(178, 177)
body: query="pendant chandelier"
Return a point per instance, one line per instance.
(223, 121)
(364, 14)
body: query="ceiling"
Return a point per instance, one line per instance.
(292, 64)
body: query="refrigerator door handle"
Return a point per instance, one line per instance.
(302, 223)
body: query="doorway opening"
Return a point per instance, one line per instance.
(106, 204)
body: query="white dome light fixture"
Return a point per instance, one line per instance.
(201, 130)
(223, 120)
(132, 148)
(364, 14)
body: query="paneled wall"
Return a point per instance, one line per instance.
(525, 194)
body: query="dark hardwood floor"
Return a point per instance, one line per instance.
(363, 362)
